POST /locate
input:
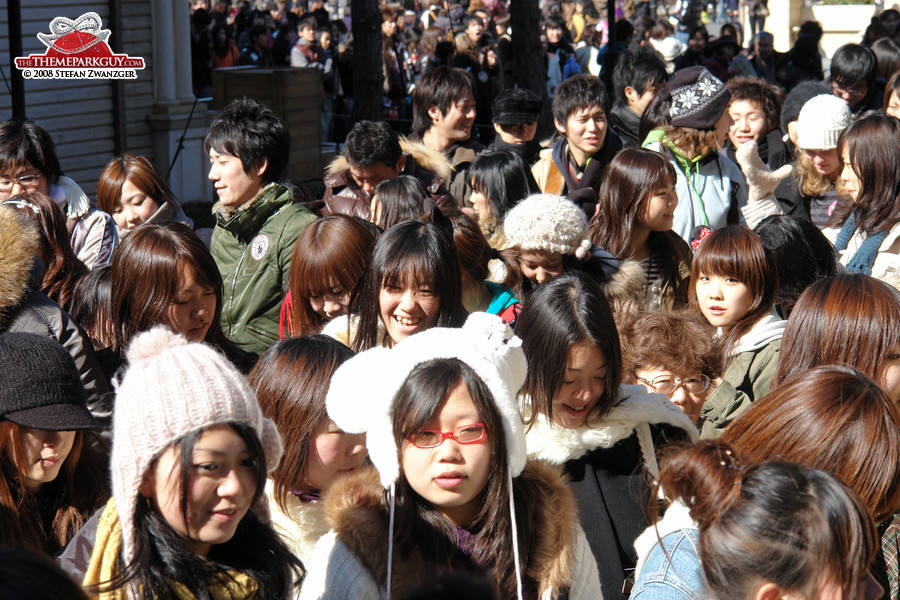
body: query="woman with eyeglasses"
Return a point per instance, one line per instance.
(451, 491)
(578, 415)
(671, 354)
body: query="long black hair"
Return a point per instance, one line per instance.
(422, 527)
(568, 309)
(161, 556)
(420, 250)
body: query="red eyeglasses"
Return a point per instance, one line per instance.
(464, 434)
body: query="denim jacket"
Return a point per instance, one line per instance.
(671, 570)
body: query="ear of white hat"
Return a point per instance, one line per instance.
(361, 396)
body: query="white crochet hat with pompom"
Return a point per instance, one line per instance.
(361, 396)
(550, 223)
(170, 389)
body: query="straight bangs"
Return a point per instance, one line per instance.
(423, 394)
(412, 269)
(331, 252)
(322, 269)
(427, 260)
(416, 252)
(735, 251)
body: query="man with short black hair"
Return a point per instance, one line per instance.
(853, 78)
(638, 75)
(257, 219)
(306, 52)
(373, 153)
(443, 115)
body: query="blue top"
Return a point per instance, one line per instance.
(501, 298)
(677, 576)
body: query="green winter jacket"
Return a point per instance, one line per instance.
(252, 247)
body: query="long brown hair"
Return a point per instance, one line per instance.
(735, 251)
(63, 269)
(630, 180)
(290, 381)
(331, 252)
(873, 146)
(146, 269)
(831, 418)
(777, 522)
(82, 479)
(851, 320)
(140, 172)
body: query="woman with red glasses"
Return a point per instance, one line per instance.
(445, 437)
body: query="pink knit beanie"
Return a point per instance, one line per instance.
(173, 388)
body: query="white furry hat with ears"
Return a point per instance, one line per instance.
(550, 223)
(361, 396)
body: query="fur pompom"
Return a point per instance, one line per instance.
(152, 343)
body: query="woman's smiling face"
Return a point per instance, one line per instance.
(583, 384)
(407, 307)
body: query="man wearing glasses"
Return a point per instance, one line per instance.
(853, 73)
(28, 164)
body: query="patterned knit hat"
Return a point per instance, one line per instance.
(697, 98)
(173, 388)
(550, 223)
(821, 121)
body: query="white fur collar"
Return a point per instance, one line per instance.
(70, 197)
(301, 526)
(634, 407)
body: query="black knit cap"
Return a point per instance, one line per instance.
(39, 385)
(697, 98)
(800, 95)
(515, 106)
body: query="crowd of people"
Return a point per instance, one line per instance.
(656, 355)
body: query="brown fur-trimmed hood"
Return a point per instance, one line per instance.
(625, 288)
(18, 245)
(425, 157)
(355, 510)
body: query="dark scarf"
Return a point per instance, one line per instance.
(627, 124)
(864, 257)
(529, 151)
(583, 190)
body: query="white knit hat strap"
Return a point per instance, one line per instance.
(390, 557)
(515, 535)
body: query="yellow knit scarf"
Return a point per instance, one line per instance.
(104, 566)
